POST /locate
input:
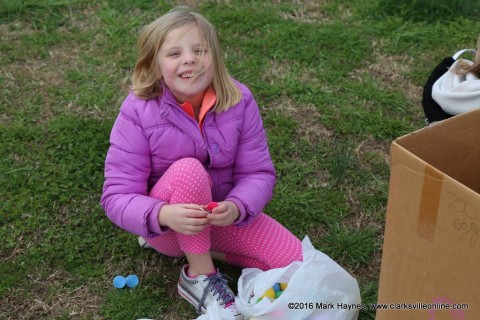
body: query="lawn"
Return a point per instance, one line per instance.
(336, 82)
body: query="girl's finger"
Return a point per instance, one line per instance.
(197, 214)
(191, 230)
(215, 218)
(197, 222)
(222, 206)
(192, 206)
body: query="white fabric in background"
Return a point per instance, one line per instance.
(457, 94)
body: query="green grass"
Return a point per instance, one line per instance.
(336, 82)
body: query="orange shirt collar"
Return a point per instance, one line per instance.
(208, 102)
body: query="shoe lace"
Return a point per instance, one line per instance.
(218, 284)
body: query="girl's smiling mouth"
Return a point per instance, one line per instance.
(191, 74)
(187, 75)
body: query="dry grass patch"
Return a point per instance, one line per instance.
(308, 12)
(306, 115)
(22, 243)
(48, 297)
(369, 146)
(33, 79)
(36, 78)
(278, 71)
(391, 72)
(39, 72)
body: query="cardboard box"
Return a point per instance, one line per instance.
(431, 251)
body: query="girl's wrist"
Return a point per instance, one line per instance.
(163, 216)
(236, 211)
(153, 225)
(239, 205)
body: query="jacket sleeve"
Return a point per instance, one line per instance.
(254, 173)
(127, 168)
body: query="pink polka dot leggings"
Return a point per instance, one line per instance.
(263, 244)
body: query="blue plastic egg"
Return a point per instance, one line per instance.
(276, 287)
(132, 281)
(119, 282)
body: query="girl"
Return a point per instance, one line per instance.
(187, 134)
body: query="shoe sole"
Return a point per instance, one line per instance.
(143, 244)
(185, 295)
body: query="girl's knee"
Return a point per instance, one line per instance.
(190, 170)
(187, 163)
(185, 181)
(284, 261)
(290, 253)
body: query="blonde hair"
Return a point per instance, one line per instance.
(146, 74)
(463, 67)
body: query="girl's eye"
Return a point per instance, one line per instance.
(173, 54)
(200, 51)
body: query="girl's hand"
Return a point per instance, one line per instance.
(188, 219)
(224, 215)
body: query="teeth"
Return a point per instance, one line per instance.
(187, 75)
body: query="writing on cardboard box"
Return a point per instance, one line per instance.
(465, 221)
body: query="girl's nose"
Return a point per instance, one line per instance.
(190, 58)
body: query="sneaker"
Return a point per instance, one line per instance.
(143, 244)
(205, 289)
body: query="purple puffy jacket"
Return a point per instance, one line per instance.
(149, 135)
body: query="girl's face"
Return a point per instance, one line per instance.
(186, 64)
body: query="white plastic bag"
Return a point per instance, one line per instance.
(315, 289)
(214, 312)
